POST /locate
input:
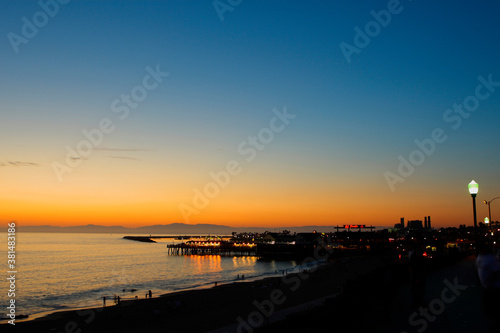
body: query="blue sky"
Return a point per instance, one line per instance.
(225, 77)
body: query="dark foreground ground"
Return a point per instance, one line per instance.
(381, 301)
(360, 294)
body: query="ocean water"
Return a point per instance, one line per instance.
(58, 271)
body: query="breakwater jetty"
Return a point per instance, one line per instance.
(140, 239)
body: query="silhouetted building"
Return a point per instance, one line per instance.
(425, 222)
(307, 238)
(429, 222)
(400, 225)
(415, 224)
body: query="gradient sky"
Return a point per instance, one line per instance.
(326, 166)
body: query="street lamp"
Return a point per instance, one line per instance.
(473, 189)
(487, 224)
(488, 203)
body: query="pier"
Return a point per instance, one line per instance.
(151, 239)
(211, 248)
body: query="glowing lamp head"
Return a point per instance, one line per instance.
(473, 188)
(486, 220)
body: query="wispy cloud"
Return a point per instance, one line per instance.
(18, 164)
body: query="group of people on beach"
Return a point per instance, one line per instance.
(117, 299)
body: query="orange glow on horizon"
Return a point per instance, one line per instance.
(143, 200)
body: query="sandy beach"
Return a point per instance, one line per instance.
(240, 305)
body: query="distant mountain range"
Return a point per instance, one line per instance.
(168, 229)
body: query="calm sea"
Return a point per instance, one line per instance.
(62, 271)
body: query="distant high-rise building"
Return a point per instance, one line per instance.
(425, 222)
(415, 224)
(428, 222)
(401, 224)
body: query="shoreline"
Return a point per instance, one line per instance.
(207, 285)
(47, 313)
(210, 308)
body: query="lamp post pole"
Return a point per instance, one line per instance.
(473, 189)
(489, 208)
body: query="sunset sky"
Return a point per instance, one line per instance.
(124, 112)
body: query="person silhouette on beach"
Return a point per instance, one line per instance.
(488, 270)
(150, 293)
(103, 301)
